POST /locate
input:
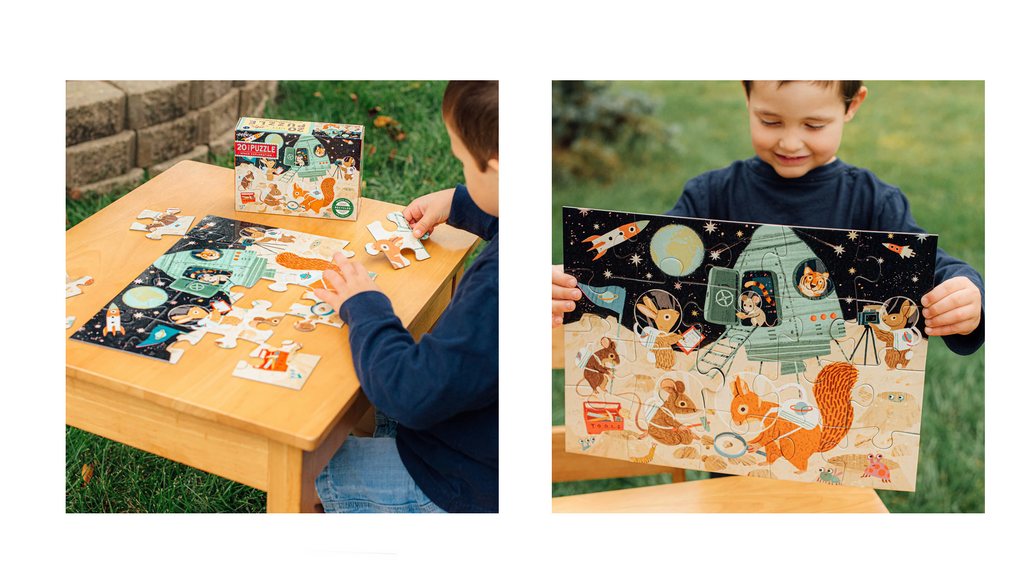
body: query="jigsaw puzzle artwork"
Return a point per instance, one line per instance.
(750, 349)
(187, 294)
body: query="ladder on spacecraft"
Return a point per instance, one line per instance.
(288, 176)
(719, 355)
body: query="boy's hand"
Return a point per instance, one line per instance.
(952, 307)
(563, 293)
(353, 280)
(428, 211)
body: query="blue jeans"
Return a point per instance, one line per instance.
(366, 475)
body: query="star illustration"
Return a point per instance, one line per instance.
(647, 276)
(710, 227)
(848, 299)
(607, 273)
(597, 226)
(635, 259)
(678, 286)
(138, 315)
(715, 254)
(739, 233)
(922, 237)
(890, 236)
(141, 329)
(852, 235)
(853, 271)
(839, 250)
(914, 279)
(584, 212)
(694, 313)
(880, 260)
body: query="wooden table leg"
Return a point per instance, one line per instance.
(292, 472)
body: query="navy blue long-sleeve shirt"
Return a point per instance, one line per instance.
(443, 391)
(837, 195)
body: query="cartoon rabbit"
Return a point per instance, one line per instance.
(660, 340)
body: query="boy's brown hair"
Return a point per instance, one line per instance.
(471, 109)
(847, 89)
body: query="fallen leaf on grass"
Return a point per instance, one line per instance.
(373, 111)
(354, 97)
(373, 150)
(383, 121)
(391, 155)
(318, 94)
(87, 473)
(75, 194)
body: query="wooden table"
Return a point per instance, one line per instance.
(738, 494)
(195, 412)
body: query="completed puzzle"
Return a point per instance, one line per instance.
(772, 351)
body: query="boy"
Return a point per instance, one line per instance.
(796, 179)
(442, 391)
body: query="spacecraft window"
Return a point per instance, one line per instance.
(758, 294)
(301, 156)
(812, 280)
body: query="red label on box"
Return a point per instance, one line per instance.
(256, 149)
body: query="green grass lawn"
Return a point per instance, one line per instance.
(394, 169)
(925, 137)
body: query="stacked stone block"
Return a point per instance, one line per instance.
(117, 130)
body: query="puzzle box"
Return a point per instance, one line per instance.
(764, 350)
(306, 169)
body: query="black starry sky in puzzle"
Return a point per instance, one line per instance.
(862, 268)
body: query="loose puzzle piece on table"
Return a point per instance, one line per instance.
(391, 243)
(742, 348)
(280, 366)
(168, 223)
(73, 287)
(192, 289)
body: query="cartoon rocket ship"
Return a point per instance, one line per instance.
(903, 251)
(253, 137)
(615, 237)
(113, 321)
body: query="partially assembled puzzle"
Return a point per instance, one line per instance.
(187, 294)
(764, 350)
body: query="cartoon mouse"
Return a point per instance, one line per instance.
(898, 339)
(752, 309)
(599, 365)
(663, 426)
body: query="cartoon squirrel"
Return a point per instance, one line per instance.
(598, 369)
(895, 357)
(665, 320)
(315, 205)
(663, 426)
(833, 388)
(348, 167)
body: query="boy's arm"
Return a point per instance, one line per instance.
(465, 215)
(451, 370)
(894, 215)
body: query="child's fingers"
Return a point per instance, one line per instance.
(944, 289)
(555, 321)
(327, 296)
(559, 277)
(565, 294)
(334, 279)
(946, 304)
(559, 307)
(951, 329)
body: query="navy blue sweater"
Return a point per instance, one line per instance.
(836, 195)
(443, 391)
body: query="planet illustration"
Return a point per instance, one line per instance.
(677, 250)
(144, 297)
(275, 139)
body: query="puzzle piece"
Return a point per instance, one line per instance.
(281, 366)
(68, 322)
(73, 287)
(168, 223)
(241, 323)
(392, 242)
(311, 315)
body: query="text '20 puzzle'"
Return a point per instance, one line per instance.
(751, 349)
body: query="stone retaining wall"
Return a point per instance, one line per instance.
(116, 130)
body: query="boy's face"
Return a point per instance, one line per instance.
(482, 185)
(798, 127)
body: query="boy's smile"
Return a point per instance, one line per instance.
(797, 127)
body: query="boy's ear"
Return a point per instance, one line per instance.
(492, 165)
(855, 103)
